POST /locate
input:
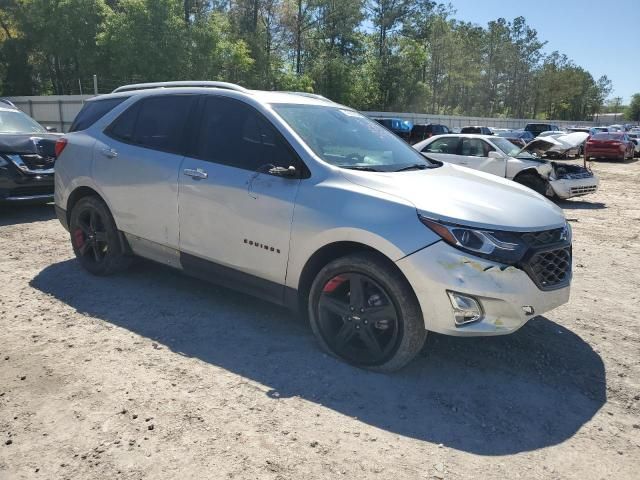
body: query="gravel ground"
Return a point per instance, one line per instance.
(153, 375)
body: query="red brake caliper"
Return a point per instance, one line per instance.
(334, 283)
(78, 238)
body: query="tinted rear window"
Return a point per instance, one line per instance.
(155, 122)
(607, 136)
(93, 111)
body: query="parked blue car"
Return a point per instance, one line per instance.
(402, 128)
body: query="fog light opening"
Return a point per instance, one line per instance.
(528, 310)
(466, 309)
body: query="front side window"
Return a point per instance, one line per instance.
(347, 139)
(235, 134)
(473, 147)
(443, 145)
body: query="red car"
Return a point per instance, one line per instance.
(609, 145)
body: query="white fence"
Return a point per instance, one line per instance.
(59, 112)
(56, 111)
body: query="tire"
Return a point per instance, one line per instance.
(381, 328)
(95, 238)
(534, 182)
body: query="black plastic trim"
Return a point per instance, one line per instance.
(62, 216)
(243, 282)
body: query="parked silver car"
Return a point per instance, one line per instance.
(498, 156)
(308, 203)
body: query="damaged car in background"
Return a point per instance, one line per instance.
(27, 157)
(498, 156)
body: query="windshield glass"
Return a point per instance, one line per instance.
(12, 121)
(347, 139)
(509, 148)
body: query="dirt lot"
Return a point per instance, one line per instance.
(152, 375)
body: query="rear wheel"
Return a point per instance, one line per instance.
(363, 311)
(95, 238)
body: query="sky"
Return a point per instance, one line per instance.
(603, 37)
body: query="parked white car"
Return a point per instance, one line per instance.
(634, 136)
(500, 157)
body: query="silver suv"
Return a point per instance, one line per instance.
(309, 204)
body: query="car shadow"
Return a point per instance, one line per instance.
(16, 214)
(488, 396)
(580, 205)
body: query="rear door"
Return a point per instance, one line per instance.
(443, 149)
(235, 217)
(136, 163)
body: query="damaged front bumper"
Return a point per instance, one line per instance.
(507, 295)
(572, 181)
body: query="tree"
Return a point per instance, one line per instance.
(633, 110)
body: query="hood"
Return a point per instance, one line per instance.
(41, 143)
(461, 195)
(560, 143)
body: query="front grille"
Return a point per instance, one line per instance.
(583, 190)
(38, 162)
(546, 237)
(550, 269)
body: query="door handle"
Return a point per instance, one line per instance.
(197, 173)
(109, 152)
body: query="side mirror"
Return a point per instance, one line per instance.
(289, 172)
(51, 129)
(495, 155)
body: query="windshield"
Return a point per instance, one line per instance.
(509, 148)
(347, 139)
(12, 121)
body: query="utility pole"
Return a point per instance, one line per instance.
(95, 84)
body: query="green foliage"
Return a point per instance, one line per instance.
(371, 54)
(632, 112)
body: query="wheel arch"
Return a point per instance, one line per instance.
(530, 171)
(76, 195)
(332, 251)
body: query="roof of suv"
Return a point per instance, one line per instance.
(302, 98)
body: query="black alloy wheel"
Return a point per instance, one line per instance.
(358, 320)
(90, 237)
(95, 239)
(363, 311)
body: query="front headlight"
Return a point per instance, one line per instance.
(499, 246)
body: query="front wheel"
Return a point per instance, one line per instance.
(95, 238)
(362, 310)
(534, 182)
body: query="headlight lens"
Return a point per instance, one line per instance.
(500, 246)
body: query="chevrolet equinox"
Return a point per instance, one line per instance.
(309, 204)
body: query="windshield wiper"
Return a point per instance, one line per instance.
(363, 168)
(415, 166)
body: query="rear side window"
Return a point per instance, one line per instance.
(157, 123)
(93, 111)
(233, 133)
(443, 145)
(123, 127)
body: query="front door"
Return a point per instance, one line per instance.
(474, 153)
(235, 217)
